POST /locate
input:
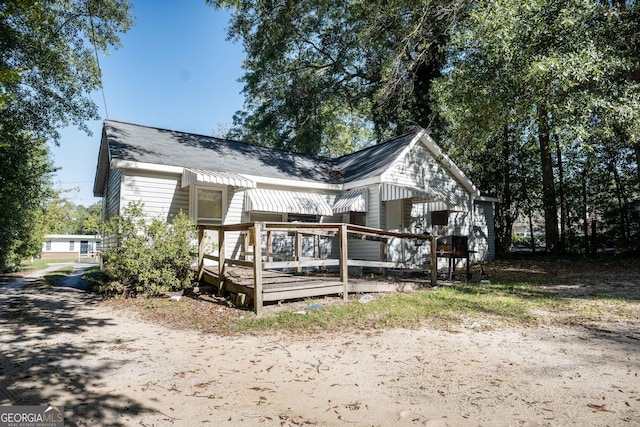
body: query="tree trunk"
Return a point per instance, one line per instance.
(548, 187)
(622, 206)
(585, 212)
(563, 205)
(636, 148)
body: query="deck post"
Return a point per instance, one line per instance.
(221, 259)
(257, 268)
(298, 253)
(269, 245)
(384, 248)
(434, 259)
(344, 262)
(200, 252)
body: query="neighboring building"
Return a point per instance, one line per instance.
(405, 184)
(67, 246)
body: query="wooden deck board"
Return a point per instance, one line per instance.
(279, 286)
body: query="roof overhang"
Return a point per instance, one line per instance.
(191, 176)
(268, 200)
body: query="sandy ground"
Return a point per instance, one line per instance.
(110, 368)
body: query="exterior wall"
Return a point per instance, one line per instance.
(482, 239)
(111, 199)
(161, 194)
(111, 203)
(420, 169)
(234, 215)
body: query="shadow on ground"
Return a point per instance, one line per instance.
(44, 363)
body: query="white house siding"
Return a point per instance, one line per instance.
(111, 203)
(482, 239)
(420, 169)
(234, 215)
(111, 200)
(161, 194)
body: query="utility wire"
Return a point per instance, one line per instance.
(95, 51)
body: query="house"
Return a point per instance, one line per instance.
(406, 184)
(70, 246)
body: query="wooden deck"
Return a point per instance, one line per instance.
(276, 285)
(279, 286)
(257, 277)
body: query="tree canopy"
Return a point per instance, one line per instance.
(536, 99)
(324, 77)
(48, 67)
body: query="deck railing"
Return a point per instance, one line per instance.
(251, 235)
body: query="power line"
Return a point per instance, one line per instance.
(95, 51)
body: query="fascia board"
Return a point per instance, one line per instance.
(362, 182)
(151, 167)
(314, 185)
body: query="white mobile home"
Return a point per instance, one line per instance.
(405, 184)
(68, 246)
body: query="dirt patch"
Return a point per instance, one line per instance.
(108, 366)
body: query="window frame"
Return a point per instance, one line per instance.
(194, 204)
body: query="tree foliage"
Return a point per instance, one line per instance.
(151, 257)
(61, 216)
(48, 67)
(324, 77)
(536, 99)
(24, 184)
(556, 72)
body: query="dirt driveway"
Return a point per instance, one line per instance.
(110, 368)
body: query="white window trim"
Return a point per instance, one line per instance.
(193, 202)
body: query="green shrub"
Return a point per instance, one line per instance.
(150, 257)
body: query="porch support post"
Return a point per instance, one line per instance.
(257, 268)
(344, 262)
(200, 252)
(269, 245)
(298, 253)
(221, 259)
(434, 259)
(384, 249)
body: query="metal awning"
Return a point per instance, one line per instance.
(267, 200)
(352, 201)
(436, 199)
(190, 176)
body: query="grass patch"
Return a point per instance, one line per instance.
(519, 293)
(39, 264)
(50, 280)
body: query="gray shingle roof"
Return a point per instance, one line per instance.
(138, 143)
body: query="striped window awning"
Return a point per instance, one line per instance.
(352, 201)
(191, 176)
(267, 200)
(436, 199)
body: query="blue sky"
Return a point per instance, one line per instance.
(175, 70)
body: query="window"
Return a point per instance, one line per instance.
(72, 245)
(440, 218)
(302, 218)
(47, 245)
(358, 218)
(209, 205)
